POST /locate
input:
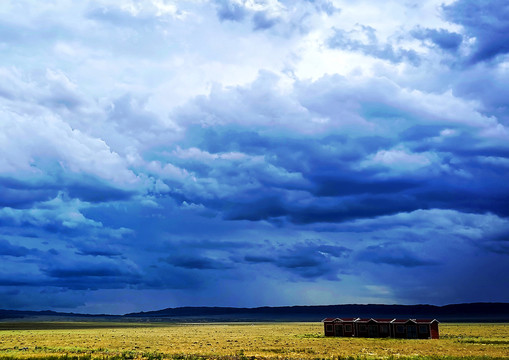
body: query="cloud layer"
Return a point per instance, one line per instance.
(245, 153)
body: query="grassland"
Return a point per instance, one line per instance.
(55, 340)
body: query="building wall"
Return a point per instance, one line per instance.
(384, 330)
(407, 330)
(434, 331)
(338, 329)
(328, 328)
(362, 330)
(424, 331)
(348, 329)
(399, 331)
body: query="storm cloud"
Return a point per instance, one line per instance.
(240, 153)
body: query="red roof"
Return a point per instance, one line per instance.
(425, 321)
(328, 319)
(364, 320)
(383, 320)
(394, 321)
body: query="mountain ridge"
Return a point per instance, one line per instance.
(479, 311)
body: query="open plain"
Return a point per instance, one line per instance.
(101, 340)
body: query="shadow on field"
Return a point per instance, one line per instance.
(69, 325)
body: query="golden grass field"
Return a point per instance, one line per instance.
(89, 340)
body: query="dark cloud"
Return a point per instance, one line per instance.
(394, 255)
(442, 38)
(94, 190)
(332, 184)
(53, 252)
(421, 132)
(204, 244)
(495, 241)
(229, 10)
(333, 191)
(13, 279)
(486, 84)
(372, 46)
(259, 259)
(308, 260)
(85, 270)
(192, 254)
(500, 248)
(362, 194)
(172, 277)
(319, 179)
(97, 249)
(321, 210)
(284, 18)
(197, 262)
(39, 298)
(6, 248)
(23, 193)
(24, 198)
(262, 21)
(81, 275)
(487, 21)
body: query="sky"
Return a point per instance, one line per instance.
(164, 153)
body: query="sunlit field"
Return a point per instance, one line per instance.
(57, 340)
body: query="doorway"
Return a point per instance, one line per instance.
(411, 331)
(338, 330)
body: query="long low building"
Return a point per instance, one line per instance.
(395, 328)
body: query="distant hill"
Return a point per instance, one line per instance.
(493, 312)
(24, 314)
(454, 312)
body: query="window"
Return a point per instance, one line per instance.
(384, 329)
(423, 329)
(348, 328)
(400, 329)
(329, 328)
(362, 328)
